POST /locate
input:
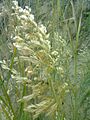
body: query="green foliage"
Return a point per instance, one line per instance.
(45, 76)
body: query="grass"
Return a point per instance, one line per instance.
(44, 77)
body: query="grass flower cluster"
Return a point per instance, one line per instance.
(41, 80)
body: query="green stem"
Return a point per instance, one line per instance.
(8, 100)
(76, 47)
(11, 64)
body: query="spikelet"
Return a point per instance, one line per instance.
(33, 50)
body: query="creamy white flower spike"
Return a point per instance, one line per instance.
(55, 53)
(17, 38)
(27, 8)
(26, 12)
(42, 28)
(13, 8)
(20, 10)
(31, 17)
(17, 45)
(24, 17)
(15, 2)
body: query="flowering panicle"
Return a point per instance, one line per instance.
(34, 50)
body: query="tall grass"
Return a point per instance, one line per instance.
(40, 79)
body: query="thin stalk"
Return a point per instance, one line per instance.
(74, 15)
(22, 114)
(37, 2)
(58, 13)
(6, 113)
(77, 41)
(52, 89)
(11, 64)
(53, 25)
(8, 100)
(5, 103)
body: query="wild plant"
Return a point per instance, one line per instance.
(40, 82)
(36, 68)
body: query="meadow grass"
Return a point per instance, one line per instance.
(42, 79)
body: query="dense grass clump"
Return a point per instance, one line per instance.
(44, 73)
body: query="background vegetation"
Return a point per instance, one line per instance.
(45, 60)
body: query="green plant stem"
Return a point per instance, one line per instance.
(11, 66)
(6, 113)
(8, 100)
(76, 47)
